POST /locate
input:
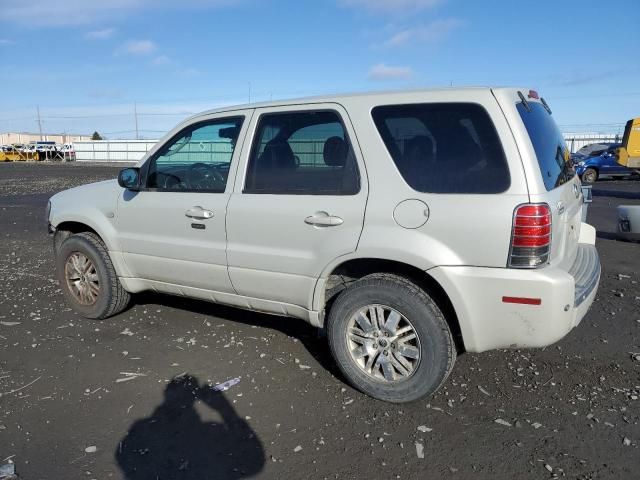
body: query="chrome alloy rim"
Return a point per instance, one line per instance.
(82, 278)
(383, 343)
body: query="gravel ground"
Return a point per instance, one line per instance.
(90, 399)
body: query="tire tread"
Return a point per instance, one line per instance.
(119, 298)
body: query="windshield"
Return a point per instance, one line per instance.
(548, 143)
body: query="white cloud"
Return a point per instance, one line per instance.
(430, 33)
(161, 60)
(390, 6)
(139, 47)
(84, 12)
(101, 34)
(6, 41)
(188, 72)
(382, 71)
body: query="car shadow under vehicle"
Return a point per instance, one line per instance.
(173, 442)
(311, 337)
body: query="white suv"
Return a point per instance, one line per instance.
(409, 225)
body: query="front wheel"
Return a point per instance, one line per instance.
(589, 176)
(87, 277)
(390, 339)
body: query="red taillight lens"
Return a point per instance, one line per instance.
(542, 241)
(530, 236)
(532, 231)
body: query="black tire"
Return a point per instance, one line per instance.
(436, 344)
(589, 176)
(111, 298)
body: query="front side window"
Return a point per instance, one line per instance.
(444, 147)
(302, 153)
(197, 159)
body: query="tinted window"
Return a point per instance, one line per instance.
(302, 153)
(197, 159)
(444, 147)
(548, 143)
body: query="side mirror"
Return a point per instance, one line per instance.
(129, 178)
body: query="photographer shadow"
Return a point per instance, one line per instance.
(174, 443)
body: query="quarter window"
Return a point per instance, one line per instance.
(444, 147)
(302, 153)
(197, 159)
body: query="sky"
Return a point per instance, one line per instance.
(89, 64)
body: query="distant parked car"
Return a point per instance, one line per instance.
(68, 152)
(591, 150)
(47, 151)
(604, 164)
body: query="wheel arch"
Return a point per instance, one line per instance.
(339, 276)
(67, 227)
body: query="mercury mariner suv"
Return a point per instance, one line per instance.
(410, 226)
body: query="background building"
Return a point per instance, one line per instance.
(23, 137)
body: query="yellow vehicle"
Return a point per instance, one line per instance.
(629, 153)
(12, 154)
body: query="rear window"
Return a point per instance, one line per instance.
(444, 147)
(551, 150)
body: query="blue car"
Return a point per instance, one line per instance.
(603, 164)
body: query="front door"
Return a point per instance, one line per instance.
(173, 230)
(298, 204)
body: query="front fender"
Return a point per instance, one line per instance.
(93, 205)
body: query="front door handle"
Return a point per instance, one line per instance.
(323, 219)
(198, 213)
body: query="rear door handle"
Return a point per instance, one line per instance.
(198, 213)
(323, 219)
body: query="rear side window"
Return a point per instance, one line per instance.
(302, 153)
(444, 147)
(548, 143)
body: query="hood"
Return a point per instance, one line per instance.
(88, 187)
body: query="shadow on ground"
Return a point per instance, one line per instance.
(309, 336)
(174, 443)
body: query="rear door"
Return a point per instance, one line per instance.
(298, 203)
(550, 174)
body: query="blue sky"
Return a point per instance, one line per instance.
(86, 62)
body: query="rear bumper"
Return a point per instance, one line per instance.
(488, 323)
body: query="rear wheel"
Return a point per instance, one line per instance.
(87, 277)
(389, 339)
(590, 175)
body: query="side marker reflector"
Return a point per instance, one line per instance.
(522, 300)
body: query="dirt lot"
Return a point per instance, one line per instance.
(87, 399)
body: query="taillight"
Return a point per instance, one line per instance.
(530, 236)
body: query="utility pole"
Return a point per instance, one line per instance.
(39, 121)
(135, 114)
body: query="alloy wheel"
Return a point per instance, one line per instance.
(383, 343)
